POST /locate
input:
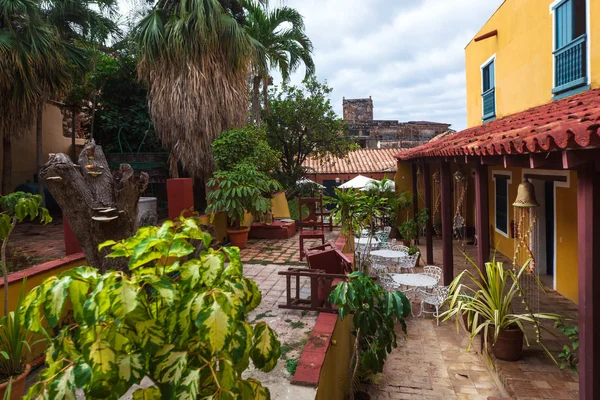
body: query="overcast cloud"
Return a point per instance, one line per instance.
(408, 55)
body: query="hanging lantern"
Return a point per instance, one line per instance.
(459, 176)
(526, 195)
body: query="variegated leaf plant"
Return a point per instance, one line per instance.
(179, 321)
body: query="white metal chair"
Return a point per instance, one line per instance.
(386, 246)
(400, 247)
(433, 271)
(435, 299)
(408, 262)
(385, 279)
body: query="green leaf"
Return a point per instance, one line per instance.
(215, 319)
(132, 367)
(266, 349)
(78, 291)
(180, 248)
(235, 268)
(124, 298)
(150, 393)
(212, 264)
(63, 385)
(170, 369)
(150, 335)
(105, 244)
(191, 273)
(162, 285)
(83, 374)
(55, 301)
(102, 357)
(190, 386)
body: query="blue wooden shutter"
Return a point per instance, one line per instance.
(502, 204)
(564, 24)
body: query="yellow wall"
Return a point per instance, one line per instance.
(280, 206)
(334, 382)
(565, 268)
(23, 149)
(14, 288)
(219, 222)
(523, 49)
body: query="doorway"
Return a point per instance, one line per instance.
(544, 231)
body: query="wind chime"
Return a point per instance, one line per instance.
(437, 195)
(420, 184)
(526, 243)
(459, 225)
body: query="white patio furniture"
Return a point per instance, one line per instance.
(385, 279)
(434, 298)
(414, 281)
(386, 246)
(409, 262)
(433, 271)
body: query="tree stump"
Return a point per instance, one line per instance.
(98, 205)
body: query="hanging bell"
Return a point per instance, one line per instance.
(436, 177)
(459, 176)
(526, 195)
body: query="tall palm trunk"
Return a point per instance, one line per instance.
(266, 82)
(256, 99)
(39, 156)
(6, 164)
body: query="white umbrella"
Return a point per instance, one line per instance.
(357, 182)
(306, 181)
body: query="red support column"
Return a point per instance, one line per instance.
(446, 208)
(180, 196)
(415, 190)
(588, 238)
(482, 214)
(429, 226)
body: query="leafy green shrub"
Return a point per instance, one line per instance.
(247, 145)
(240, 190)
(15, 207)
(374, 315)
(294, 209)
(181, 323)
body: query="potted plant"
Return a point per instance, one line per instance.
(14, 347)
(236, 192)
(374, 315)
(486, 303)
(190, 335)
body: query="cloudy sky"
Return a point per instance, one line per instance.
(408, 55)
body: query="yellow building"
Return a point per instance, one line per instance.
(533, 114)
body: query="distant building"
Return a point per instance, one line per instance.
(358, 114)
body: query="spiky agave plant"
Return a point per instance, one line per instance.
(194, 57)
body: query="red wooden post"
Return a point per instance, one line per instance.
(180, 196)
(71, 244)
(415, 190)
(482, 214)
(588, 238)
(429, 226)
(446, 206)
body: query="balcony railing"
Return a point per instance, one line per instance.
(570, 65)
(489, 103)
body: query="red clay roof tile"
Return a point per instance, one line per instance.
(573, 122)
(356, 162)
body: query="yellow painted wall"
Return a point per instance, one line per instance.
(280, 206)
(14, 288)
(23, 150)
(523, 49)
(566, 229)
(219, 222)
(334, 382)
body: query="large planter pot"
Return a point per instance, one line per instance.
(18, 385)
(238, 237)
(508, 346)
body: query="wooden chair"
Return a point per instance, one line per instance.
(312, 226)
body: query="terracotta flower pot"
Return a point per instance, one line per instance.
(18, 385)
(239, 237)
(509, 345)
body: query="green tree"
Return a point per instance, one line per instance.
(194, 57)
(189, 335)
(302, 123)
(282, 44)
(33, 63)
(244, 146)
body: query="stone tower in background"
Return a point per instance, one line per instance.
(358, 109)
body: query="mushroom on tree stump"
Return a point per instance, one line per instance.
(98, 205)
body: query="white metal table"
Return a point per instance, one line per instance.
(363, 241)
(414, 280)
(387, 253)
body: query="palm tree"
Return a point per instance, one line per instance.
(195, 58)
(279, 35)
(32, 61)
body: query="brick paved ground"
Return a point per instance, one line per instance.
(280, 251)
(39, 242)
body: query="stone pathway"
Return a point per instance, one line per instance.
(431, 363)
(280, 251)
(39, 243)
